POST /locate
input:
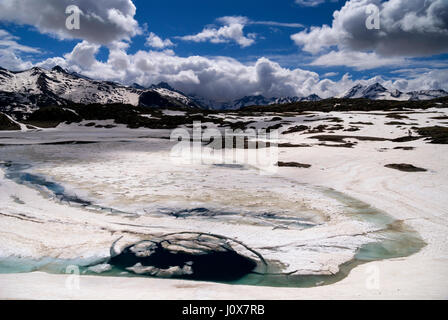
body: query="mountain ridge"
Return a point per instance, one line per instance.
(22, 92)
(376, 91)
(28, 90)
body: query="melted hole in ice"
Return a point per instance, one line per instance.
(234, 268)
(187, 256)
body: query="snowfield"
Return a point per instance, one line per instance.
(344, 219)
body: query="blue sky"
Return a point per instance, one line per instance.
(172, 18)
(300, 43)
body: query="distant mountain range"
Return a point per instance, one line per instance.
(263, 101)
(26, 91)
(377, 92)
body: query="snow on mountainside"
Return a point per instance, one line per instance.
(28, 90)
(166, 90)
(23, 92)
(377, 92)
(62, 85)
(260, 100)
(427, 94)
(313, 97)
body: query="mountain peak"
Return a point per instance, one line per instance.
(59, 69)
(137, 86)
(39, 87)
(36, 69)
(162, 85)
(376, 86)
(313, 97)
(377, 91)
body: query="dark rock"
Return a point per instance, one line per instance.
(293, 145)
(352, 129)
(52, 116)
(396, 116)
(404, 148)
(336, 127)
(362, 123)
(339, 145)
(234, 142)
(319, 129)
(274, 127)
(7, 124)
(436, 134)
(293, 165)
(341, 139)
(440, 118)
(405, 139)
(300, 128)
(405, 167)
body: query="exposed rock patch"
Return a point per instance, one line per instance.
(405, 167)
(295, 129)
(7, 124)
(399, 123)
(362, 123)
(436, 134)
(440, 118)
(397, 116)
(404, 148)
(293, 165)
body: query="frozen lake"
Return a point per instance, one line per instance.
(70, 202)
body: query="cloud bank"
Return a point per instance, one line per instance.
(223, 78)
(102, 21)
(408, 28)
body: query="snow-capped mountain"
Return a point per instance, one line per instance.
(164, 89)
(374, 92)
(378, 92)
(251, 101)
(23, 92)
(427, 94)
(27, 90)
(262, 101)
(258, 100)
(312, 97)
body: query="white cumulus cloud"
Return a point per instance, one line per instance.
(101, 21)
(10, 50)
(407, 28)
(232, 30)
(358, 60)
(155, 41)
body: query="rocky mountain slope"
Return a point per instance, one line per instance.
(22, 93)
(378, 92)
(26, 91)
